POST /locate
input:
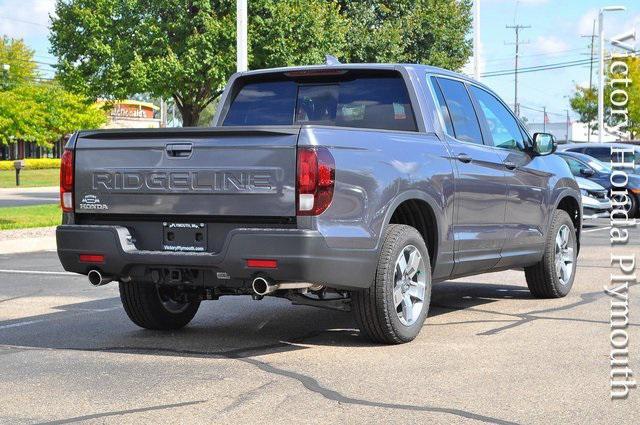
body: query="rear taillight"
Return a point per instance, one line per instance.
(315, 180)
(66, 181)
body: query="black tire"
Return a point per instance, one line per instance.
(374, 308)
(145, 308)
(633, 208)
(542, 278)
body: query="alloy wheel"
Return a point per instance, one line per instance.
(409, 285)
(564, 254)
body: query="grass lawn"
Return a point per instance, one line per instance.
(31, 178)
(30, 216)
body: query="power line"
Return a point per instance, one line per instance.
(533, 55)
(6, 18)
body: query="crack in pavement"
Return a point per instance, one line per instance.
(122, 412)
(307, 382)
(313, 385)
(531, 316)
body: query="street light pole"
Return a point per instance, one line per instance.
(241, 37)
(601, 68)
(476, 40)
(5, 75)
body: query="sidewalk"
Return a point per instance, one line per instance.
(15, 197)
(27, 240)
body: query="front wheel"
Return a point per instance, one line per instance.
(393, 309)
(156, 307)
(553, 276)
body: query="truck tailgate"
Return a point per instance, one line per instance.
(239, 171)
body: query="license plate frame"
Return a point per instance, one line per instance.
(184, 237)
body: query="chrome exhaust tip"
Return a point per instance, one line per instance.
(263, 286)
(98, 279)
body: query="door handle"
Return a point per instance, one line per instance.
(510, 165)
(179, 150)
(463, 157)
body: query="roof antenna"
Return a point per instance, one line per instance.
(331, 60)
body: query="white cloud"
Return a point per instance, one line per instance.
(550, 45)
(584, 25)
(24, 18)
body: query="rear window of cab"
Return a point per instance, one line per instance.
(375, 101)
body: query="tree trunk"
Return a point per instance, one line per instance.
(190, 114)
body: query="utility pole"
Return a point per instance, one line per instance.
(517, 29)
(241, 35)
(567, 127)
(476, 40)
(592, 46)
(592, 54)
(544, 119)
(163, 113)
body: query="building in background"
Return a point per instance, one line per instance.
(133, 114)
(123, 114)
(573, 132)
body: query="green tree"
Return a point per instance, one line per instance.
(43, 113)
(433, 32)
(584, 102)
(19, 57)
(181, 49)
(186, 49)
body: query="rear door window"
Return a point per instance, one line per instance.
(463, 115)
(379, 102)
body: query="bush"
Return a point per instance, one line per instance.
(32, 164)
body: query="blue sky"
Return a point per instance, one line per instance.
(554, 36)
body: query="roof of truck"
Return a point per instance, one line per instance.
(372, 66)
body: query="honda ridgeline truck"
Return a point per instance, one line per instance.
(349, 187)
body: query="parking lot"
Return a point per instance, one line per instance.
(488, 353)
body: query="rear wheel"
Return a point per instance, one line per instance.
(633, 206)
(156, 307)
(553, 276)
(394, 308)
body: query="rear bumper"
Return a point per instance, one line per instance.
(302, 255)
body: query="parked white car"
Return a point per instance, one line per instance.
(595, 200)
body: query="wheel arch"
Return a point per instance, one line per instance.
(571, 205)
(416, 208)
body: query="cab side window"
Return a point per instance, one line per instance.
(463, 116)
(504, 128)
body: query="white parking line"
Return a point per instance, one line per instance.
(42, 272)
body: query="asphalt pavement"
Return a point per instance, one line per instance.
(489, 353)
(17, 197)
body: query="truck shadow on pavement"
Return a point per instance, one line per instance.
(231, 327)
(244, 330)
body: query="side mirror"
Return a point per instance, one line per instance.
(587, 172)
(544, 144)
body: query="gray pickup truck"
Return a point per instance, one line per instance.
(349, 187)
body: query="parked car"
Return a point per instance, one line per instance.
(585, 166)
(602, 151)
(595, 199)
(352, 187)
